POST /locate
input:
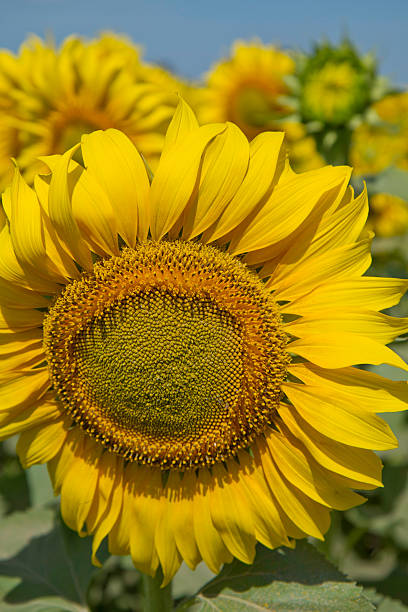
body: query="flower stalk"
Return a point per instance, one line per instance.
(156, 599)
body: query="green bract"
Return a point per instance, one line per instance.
(336, 84)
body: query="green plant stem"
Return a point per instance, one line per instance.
(156, 599)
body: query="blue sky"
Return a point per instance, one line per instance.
(190, 35)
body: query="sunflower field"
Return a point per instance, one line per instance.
(203, 325)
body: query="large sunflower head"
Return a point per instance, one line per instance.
(180, 351)
(49, 97)
(250, 89)
(336, 83)
(383, 141)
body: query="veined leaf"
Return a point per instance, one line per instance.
(283, 580)
(44, 566)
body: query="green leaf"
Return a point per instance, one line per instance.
(48, 604)
(43, 565)
(14, 493)
(283, 580)
(384, 604)
(39, 485)
(389, 517)
(392, 180)
(186, 582)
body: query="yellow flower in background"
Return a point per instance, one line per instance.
(181, 352)
(336, 83)
(328, 94)
(249, 89)
(302, 147)
(388, 215)
(167, 80)
(9, 142)
(393, 109)
(377, 146)
(49, 97)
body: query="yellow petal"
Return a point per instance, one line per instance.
(376, 293)
(183, 122)
(169, 556)
(117, 166)
(224, 165)
(12, 273)
(57, 251)
(231, 516)
(209, 541)
(118, 538)
(25, 358)
(93, 213)
(18, 297)
(108, 465)
(12, 320)
(3, 216)
(366, 389)
(176, 177)
(26, 231)
(303, 473)
(266, 161)
(79, 485)
(60, 211)
(145, 507)
(291, 528)
(290, 202)
(180, 493)
(11, 269)
(10, 343)
(309, 516)
(111, 515)
(354, 463)
(24, 390)
(341, 350)
(348, 261)
(333, 223)
(380, 327)
(59, 465)
(42, 411)
(336, 418)
(41, 443)
(269, 529)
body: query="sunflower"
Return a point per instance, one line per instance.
(49, 97)
(384, 141)
(336, 83)
(250, 89)
(388, 215)
(180, 353)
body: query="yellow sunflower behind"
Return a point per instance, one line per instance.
(388, 215)
(49, 97)
(180, 352)
(383, 143)
(249, 89)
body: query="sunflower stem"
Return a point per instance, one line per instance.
(156, 599)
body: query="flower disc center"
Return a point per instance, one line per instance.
(162, 364)
(171, 354)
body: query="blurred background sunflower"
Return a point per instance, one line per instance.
(335, 83)
(50, 96)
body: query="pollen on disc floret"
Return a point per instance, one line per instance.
(170, 354)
